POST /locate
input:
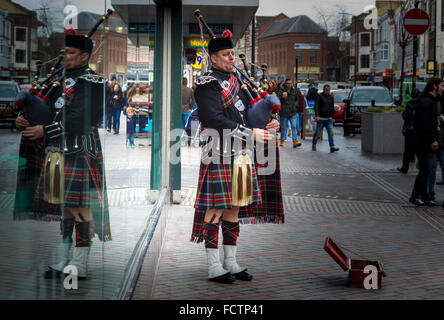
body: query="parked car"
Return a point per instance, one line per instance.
(8, 92)
(338, 97)
(359, 100)
(25, 87)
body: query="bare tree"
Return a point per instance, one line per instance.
(324, 18)
(52, 18)
(333, 22)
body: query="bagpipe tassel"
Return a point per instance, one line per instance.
(242, 181)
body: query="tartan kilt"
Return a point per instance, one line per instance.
(214, 191)
(31, 155)
(271, 209)
(85, 187)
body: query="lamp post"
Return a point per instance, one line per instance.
(415, 51)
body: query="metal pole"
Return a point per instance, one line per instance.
(253, 46)
(296, 70)
(356, 53)
(415, 54)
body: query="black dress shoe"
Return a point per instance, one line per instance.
(243, 275)
(226, 278)
(431, 203)
(401, 170)
(51, 273)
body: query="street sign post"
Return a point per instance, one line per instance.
(416, 21)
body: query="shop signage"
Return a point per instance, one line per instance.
(199, 61)
(195, 43)
(141, 28)
(312, 46)
(430, 66)
(217, 28)
(308, 70)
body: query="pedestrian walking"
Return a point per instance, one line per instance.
(324, 112)
(312, 93)
(436, 156)
(130, 126)
(300, 111)
(289, 104)
(117, 106)
(108, 105)
(220, 200)
(407, 131)
(73, 171)
(425, 138)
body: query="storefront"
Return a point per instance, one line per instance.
(139, 183)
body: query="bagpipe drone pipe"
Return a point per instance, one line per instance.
(262, 105)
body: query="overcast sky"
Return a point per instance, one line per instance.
(266, 7)
(298, 7)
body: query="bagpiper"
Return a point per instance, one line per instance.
(228, 191)
(73, 168)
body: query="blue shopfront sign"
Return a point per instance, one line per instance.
(217, 28)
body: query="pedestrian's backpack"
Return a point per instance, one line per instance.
(409, 116)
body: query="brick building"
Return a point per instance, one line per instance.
(287, 39)
(244, 45)
(109, 56)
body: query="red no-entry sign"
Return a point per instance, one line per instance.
(416, 22)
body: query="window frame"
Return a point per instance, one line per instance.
(24, 55)
(15, 34)
(369, 39)
(313, 54)
(360, 61)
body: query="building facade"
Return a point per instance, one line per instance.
(24, 41)
(289, 39)
(6, 48)
(245, 43)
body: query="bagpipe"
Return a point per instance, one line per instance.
(263, 105)
(34, 104)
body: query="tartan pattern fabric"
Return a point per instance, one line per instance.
(230, 232)
(271, 210)
(214, 191)
(85, 187)
(83, 234)
(31, 155)
(228, 95)
(211, 235)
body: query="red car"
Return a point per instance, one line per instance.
(339, 95)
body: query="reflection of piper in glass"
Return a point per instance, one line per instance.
(73, 169)
(229, 191)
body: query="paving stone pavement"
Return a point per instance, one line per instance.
(357, 199)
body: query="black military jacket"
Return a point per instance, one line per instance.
(214, 111)
(76, 108)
